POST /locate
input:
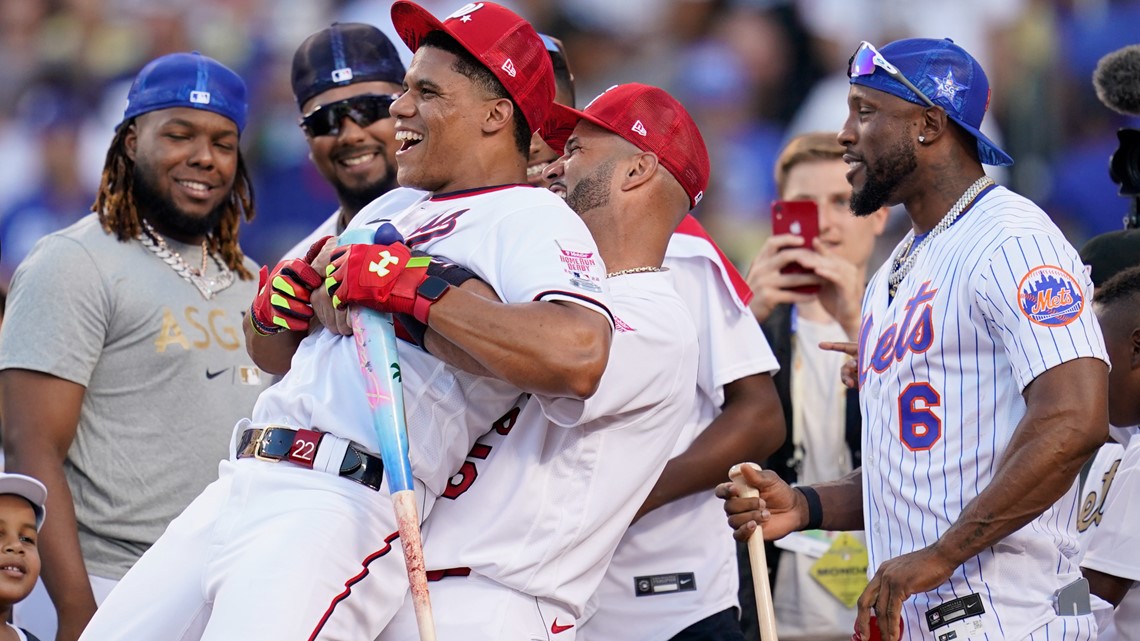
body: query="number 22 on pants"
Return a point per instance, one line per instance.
(919, 427)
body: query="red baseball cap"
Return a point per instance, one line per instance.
(505, 43)
(649, 118)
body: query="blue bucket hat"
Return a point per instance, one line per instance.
(344, 54)
(188, 80)
(946, 74)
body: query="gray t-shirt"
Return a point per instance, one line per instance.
(166, 372)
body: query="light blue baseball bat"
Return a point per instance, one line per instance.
(375, 338)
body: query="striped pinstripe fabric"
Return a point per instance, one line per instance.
(993, 302)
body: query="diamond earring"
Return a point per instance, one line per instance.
(922, 139)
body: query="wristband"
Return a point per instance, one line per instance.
(410, 330)
(260, 328)
(814, 505)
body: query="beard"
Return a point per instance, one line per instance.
(161, 210)
(356, 198)
(593, 191)
(884, 178)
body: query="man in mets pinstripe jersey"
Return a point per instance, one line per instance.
(982, 376)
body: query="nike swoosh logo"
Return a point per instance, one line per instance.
(212, 375)
(555, 628)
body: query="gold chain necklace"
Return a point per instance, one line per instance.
(635, 270)
(207, 287)
(903, 261)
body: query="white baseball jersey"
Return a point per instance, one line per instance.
(394, 201)
(524, 242)
(223, 555)
(1108, 521)
(327, 228)
(1122, 434)
(990, 304)
(557, 486)
(659, 582)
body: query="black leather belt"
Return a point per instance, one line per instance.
(276, 444)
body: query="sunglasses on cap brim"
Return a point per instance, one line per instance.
(867, 58)
(364, 110)
(557, 52)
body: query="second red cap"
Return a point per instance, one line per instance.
(649, 118)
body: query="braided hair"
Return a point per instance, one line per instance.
(115, 204)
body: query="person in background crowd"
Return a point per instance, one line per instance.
(822, 417)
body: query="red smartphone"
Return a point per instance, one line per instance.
(799, 217)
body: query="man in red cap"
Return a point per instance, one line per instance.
(693, 587)
(295, 539)
(526, 543)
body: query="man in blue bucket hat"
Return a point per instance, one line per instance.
(982, 375)
(122, 370)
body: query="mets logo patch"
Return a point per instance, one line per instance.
(1050, 296)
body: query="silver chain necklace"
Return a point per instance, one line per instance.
(901, 266)
(205, 286)
(635, 270)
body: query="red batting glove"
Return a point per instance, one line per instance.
(283, 297)
(381, 277)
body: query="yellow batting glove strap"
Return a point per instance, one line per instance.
(283, 285)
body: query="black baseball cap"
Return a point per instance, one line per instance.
(1111, 253)
(344, 54)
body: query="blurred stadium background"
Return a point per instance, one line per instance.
(752, 72)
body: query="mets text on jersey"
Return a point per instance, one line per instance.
(915, 334)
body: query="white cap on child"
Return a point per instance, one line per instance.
(28, 488)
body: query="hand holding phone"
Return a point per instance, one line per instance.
(799, 218)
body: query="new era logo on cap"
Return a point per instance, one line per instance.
(509, 67)
(639, 128)
(200, 97)
(342, 75)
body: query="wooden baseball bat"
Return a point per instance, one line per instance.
(759, 563)
(375, 338)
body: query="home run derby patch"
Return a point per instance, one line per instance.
(1050, 296)
(582, 265)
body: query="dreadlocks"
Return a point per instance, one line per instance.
(115, 204)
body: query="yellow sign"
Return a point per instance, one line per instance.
(842, 570)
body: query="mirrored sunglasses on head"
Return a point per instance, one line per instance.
(867, 58)
(364, 110)
(557, 52)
